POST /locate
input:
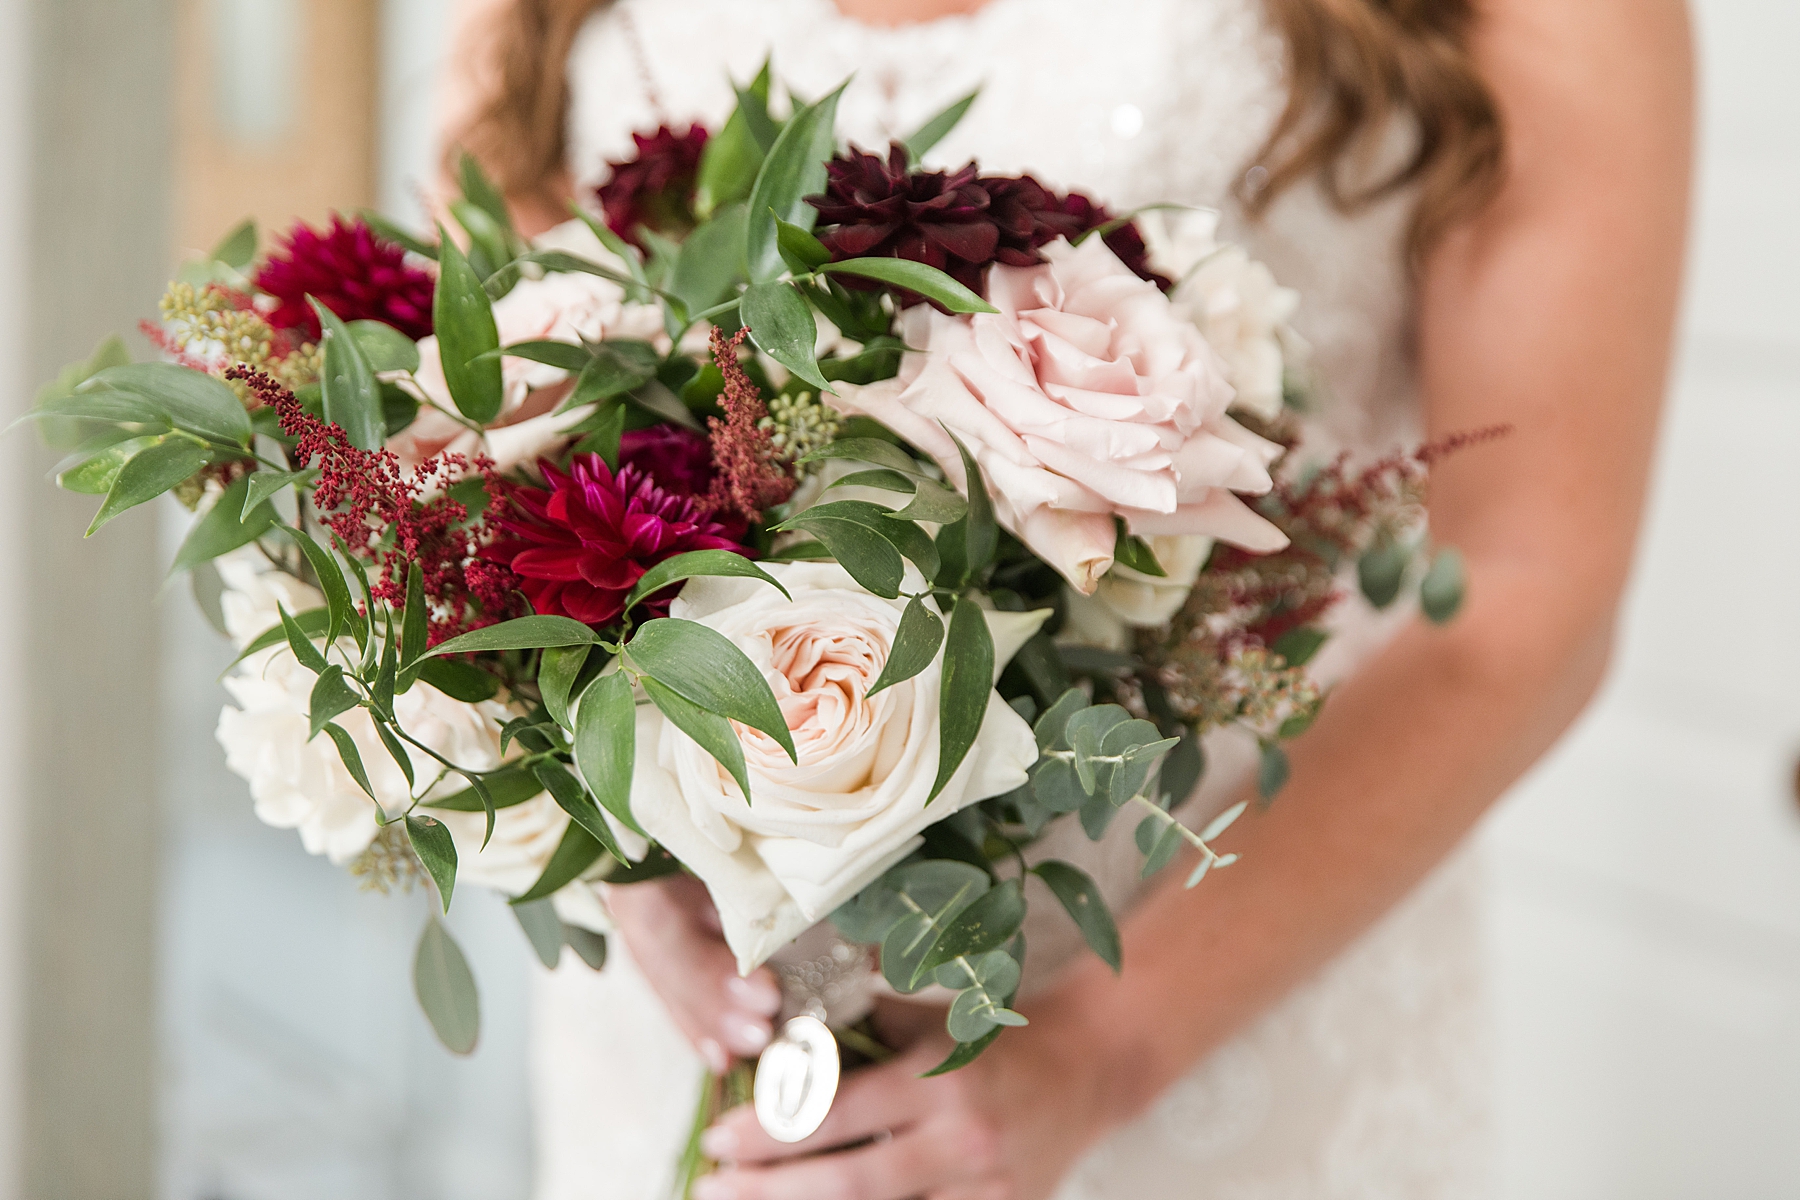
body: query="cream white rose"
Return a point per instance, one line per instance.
(561, 307)
(1233, 300)
(815, 833)
(303, 785)
(1147, 601)
(1086, 398)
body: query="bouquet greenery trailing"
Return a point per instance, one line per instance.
(807, 520)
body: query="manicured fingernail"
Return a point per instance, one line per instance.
(719, 1143)
(714, 1056)
(746, 1035)
(756, 994)
(712, 1187)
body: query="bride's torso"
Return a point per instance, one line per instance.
(1335, 1091)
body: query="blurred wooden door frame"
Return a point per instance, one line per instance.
(321, 158)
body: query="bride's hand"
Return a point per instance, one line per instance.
(672, 931)
(980, 1133)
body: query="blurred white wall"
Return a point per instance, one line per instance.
(1646, 878)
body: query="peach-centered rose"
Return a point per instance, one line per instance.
(1086, 397)
(816, 832)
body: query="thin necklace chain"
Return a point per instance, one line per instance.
(640, 59)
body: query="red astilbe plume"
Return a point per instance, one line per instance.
(579, 546)
(748, 476)
(351, 271)
(379, 512)
(655, 187)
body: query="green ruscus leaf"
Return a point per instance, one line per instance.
(446, 989)
(916, 643)
(606, 743)
(713, 732)
(781, 324)
(708, 670)
(463, 317)
(968, 681)
(432, 842)
(352, 397)
(148, 474)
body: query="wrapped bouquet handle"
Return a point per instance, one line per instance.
(826, 981)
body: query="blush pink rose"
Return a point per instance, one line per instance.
(1086, 397)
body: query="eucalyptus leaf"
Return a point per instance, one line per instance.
(967, 682)
(1056, 786)
(1298, 646)
(987, 924)
(1052, 726)
(1441, 593)
(1272, 772)
(1381, 570)
(707, 669)
(1081, 896)
(446, 989)
(436, 849)
(588, 946)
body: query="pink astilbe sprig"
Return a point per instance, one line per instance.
(380, 512)
(748, 474)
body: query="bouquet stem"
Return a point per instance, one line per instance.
(718, 1094)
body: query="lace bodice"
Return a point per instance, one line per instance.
(1133, 102)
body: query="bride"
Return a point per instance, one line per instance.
(1484, 209)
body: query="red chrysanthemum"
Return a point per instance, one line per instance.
(580, 545)
(349, 270)
(655, 188)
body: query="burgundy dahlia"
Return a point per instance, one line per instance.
(655, 188)
(1077, 214)
(960, 222)
(349, 270)
(875, 208)
(678, 460)
(579, 546)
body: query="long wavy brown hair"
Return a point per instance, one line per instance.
(1355, 65)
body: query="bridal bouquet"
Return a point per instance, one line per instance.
(814, 523)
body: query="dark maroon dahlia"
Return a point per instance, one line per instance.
(1078, 214)
(876, 208)
(655, 188)
(580, 545)
(351, 271)
(679, 460)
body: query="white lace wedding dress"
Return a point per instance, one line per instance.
(1369, 1081)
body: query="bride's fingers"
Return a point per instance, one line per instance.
(680, 953)
(901, 1168)
(874, 1102)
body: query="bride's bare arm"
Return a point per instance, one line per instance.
(1551, 312)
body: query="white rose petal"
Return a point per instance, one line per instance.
(815, 832)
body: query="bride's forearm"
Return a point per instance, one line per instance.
(1406, 758)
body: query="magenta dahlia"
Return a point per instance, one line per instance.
(655, 187)
(579, 546)
(678, 460)
(349, 270)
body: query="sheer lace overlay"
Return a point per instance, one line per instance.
(1369, 1081)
